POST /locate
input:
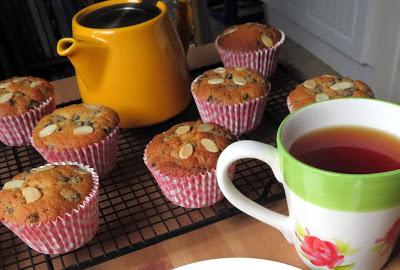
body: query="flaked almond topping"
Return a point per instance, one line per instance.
(48, 130)
(209, 145)
(4, 84)
(186, 151)
(35, 83)
(182, 130)
(239, 80)
(31, 194)
(267, 40)
(215, 81)
(6, 97)
(230, 30)
(80, 170)
(83, 130)
(13, 184)
(342, 85)
(205, 128)
(19, 79)
(166, 139)
(310, 84)
(321, 97)
(219, 70)
(240, 68)
(42, 169)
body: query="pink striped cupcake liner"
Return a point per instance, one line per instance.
(264, 61)
(68, 232)
(238, 118)
(194, 191)
(101, 155)
(16, 130)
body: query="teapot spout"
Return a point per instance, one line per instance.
(87, 57)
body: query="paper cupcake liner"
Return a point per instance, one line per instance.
(238, 118)
(16, 130)
(195, 191)
(68, 232)
(101, 155)
(289, 105)
(263, 60)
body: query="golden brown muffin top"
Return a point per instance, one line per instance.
(188, 148)
(249, 37)
(74, 126)
(327, 87)
(44, 194)
(19, 94)
(230, 85)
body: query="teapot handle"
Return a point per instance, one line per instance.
(184, 22)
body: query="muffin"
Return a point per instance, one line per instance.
(326, 87)
(250, 45)
(84, 133)
(183, 160)
(234, 98)
(23, 101)
(53, 208)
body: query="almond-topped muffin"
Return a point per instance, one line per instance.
(23, 102)
(230, 85)
(233, 97)
(53, 208)
(325, 87)
(249, 37)
(183, 160)
(83, 133)
(43, 194)
(19, 94)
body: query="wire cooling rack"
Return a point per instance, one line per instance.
(133, 212)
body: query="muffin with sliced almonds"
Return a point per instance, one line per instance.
(23, 101)
(251, 45)
(326, 87)
(53, 208)
(81, 132)
(233, 97)
(183, 160)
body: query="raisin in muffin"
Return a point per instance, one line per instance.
(183, 161)
(251, 45)
(325, 87)
(234, 98)
(53, 208)
(23, 101)
(84, 133)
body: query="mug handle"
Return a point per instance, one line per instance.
(267, 154)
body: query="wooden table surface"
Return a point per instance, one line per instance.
(239, 236)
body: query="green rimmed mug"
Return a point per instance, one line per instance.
(336, 221)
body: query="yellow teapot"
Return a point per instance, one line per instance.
(127, 55)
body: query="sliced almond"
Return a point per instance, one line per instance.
(310, 84)
(31, 194)
(182, 130)
(239, 80)
(80, 170)
(215, 81)
(205, 128)
(4, 84)
(83, 130)
(230, 30)
(321, 97)
(267, 40)
(35, 83)
(13, 184)
(342, 85)
(6, 97)
(240, 68)
(186, 151)
(42, 169)
(219, 70)
(209, 145)
(48, 130)
(19, 79)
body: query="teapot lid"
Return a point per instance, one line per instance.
(119, 15)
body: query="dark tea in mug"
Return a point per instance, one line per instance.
(348, 149)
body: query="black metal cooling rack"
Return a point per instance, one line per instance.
(133, 212)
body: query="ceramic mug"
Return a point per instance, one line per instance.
(336, 221)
